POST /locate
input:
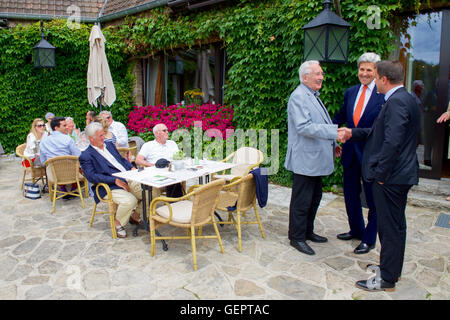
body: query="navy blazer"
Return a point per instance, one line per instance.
(390, 153)
(345, 115)
(97, 169)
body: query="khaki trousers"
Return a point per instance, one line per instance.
(127, 201)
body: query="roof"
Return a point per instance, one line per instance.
(57, 8)
(114, 6)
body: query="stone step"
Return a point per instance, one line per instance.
(432, 186)
(428, 200)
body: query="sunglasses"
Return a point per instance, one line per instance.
(40, 125)
(165, 130)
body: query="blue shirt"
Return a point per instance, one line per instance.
(57, 144)
(391, 92)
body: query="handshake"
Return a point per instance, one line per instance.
(344, 134)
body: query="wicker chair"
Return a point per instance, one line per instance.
(65, 170)
(112, 208)
(189, 214)
(37, 173)
(246, 158)
(243, 199)
(128, 153)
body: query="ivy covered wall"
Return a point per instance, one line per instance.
(27, 93)
(263, 42)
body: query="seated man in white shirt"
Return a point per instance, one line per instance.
(160, 148)
(99, 161)
(117, 128)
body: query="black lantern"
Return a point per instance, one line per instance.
(44, 53)
(326, 37)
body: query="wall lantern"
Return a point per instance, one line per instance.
(44, 53)
(326, 37)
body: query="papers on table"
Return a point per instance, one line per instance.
(162, 177)
(158, 179)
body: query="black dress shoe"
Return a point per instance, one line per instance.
(374, 285)
(316, 238)
(303, 247)
(68, 197)
(363, 248)
(346, 236)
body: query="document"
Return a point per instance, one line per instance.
(159, 179)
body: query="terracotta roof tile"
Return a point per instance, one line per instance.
(88, 8)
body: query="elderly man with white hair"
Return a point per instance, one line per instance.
(99, 162)
(310, 154)
(160, 148)
(361, 106)
(117, 128)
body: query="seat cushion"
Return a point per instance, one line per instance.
(182, 211)
(226, 177)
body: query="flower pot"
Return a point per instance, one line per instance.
(178, 164)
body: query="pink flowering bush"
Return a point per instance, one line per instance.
(212, 116)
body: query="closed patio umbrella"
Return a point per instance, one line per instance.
(99, 80)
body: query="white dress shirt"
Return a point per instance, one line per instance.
(152, 151)
(110, 158)
(369, 91)
(119, 130)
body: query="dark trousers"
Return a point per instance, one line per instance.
(390, 201)
(305, 200)
(352, 190)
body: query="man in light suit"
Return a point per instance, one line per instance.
(98, 162)
(390, 163)
(361, 106)
(310, 154)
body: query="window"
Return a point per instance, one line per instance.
(193, 75)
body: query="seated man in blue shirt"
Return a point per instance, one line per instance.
(58, 144)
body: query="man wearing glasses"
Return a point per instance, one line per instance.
(160, 148)
(310, 154)
(117, 128)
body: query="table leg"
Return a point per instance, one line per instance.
(147, 189)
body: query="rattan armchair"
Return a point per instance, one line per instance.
(246, 159)
(36, 173)
(237, 198)
(128, 153)
(112, 208)
(64, 170)
(188, 214)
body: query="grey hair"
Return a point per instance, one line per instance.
(305, 68)
(371, 57)
(70, 119)
(418, 83)
(106, 112)
(92, 128)
(158, 127)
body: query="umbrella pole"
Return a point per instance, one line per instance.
(99, 101)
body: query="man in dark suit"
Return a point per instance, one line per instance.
(98, 162)
(390, 162)
(361, 106)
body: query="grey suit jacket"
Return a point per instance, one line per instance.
(311, 135)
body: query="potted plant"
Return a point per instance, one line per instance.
(178, 158)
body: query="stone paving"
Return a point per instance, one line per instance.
(45, 256)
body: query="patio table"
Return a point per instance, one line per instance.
(152, 177)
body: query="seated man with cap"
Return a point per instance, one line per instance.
(99, 162)
(159, 152)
